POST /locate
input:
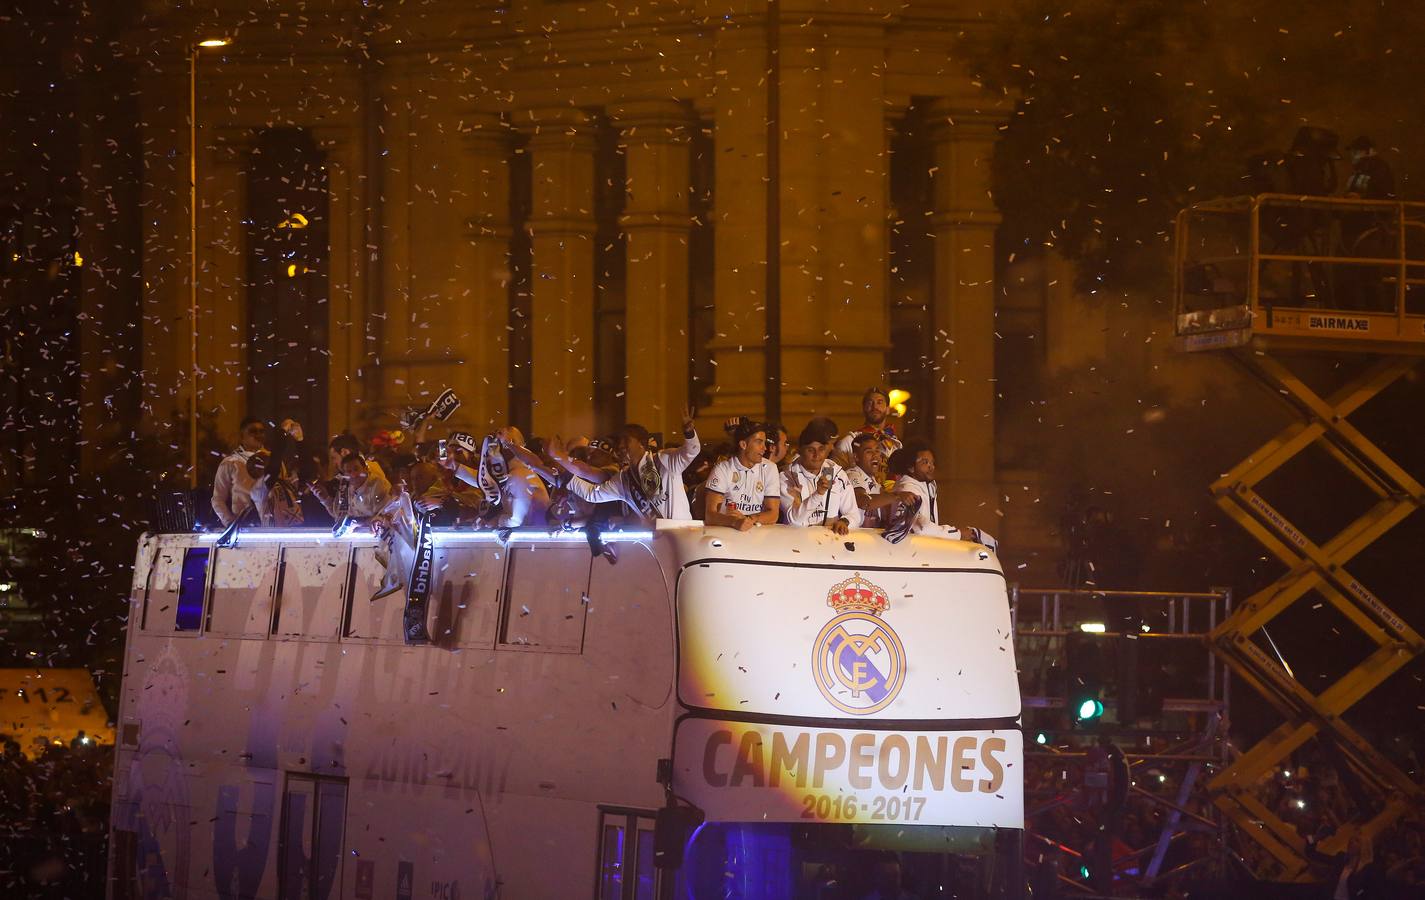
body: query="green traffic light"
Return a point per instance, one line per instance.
(1041, 738)
(1089, 708)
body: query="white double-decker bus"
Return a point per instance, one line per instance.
(825, 715)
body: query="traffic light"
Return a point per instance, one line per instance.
(1085, 670)
(1087, 709)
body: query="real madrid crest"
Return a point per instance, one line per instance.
(858, 661)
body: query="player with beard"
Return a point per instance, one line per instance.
(875, 408)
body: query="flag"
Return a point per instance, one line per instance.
(901, 522)
(397, 550)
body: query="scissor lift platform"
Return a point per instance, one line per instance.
(1319, 276)
(1280, 272)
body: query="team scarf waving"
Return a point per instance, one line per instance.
(643, 485)
(493, 472)
(902, 520)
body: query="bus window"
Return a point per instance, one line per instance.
(161, 599)
(630, 630)
(466, 605)
(240, 604)
(770, 861)
(626, 856)
(378, 619)
(191, 586)
(313, 584)
(313, 826)
(247, 816)
(545, 589)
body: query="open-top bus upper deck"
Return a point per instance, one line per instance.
(278, 738)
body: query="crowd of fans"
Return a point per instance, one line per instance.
(1067, 811)
(865, 477)
(54, 830)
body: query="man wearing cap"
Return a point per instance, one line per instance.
(1371, 177)
(815, 490)
(875, 407)
(744, 491)
(1367, 232)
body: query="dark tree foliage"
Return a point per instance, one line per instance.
(1126, 112)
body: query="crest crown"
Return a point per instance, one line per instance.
(856, 594)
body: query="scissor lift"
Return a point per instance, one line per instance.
(1268, 279)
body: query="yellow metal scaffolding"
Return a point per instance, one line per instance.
(1224, 303)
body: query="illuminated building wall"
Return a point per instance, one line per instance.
(561, 210)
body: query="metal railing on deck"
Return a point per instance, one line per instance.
(1241, 261)
(1043, 618)
(1188, 738)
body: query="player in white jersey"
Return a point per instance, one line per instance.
(867, 478)
(744, 491)
(815, 490)
(914, 468)
(650, 483)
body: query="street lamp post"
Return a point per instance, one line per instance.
(193, 52)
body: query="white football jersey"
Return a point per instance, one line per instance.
(745, 488)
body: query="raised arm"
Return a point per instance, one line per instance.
(597, 493)
(683, 456)
(527, 456)
(577, 468)
(327, 498)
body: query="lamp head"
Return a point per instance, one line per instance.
(215, 42)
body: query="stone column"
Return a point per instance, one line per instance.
(446, 339)
(561, 227)
(482, 272)
(346, 323)
(393, 318)
(963, 311)
(656, 222)
(163, 98)
(835, 329)
(738, 109)
(222, 277)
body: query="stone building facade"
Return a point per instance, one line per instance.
(573, 213)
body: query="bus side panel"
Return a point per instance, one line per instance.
(629, 636)
(436, 757)
(436, 837)
(546, 847)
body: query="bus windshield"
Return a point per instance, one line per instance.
(776, 861)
